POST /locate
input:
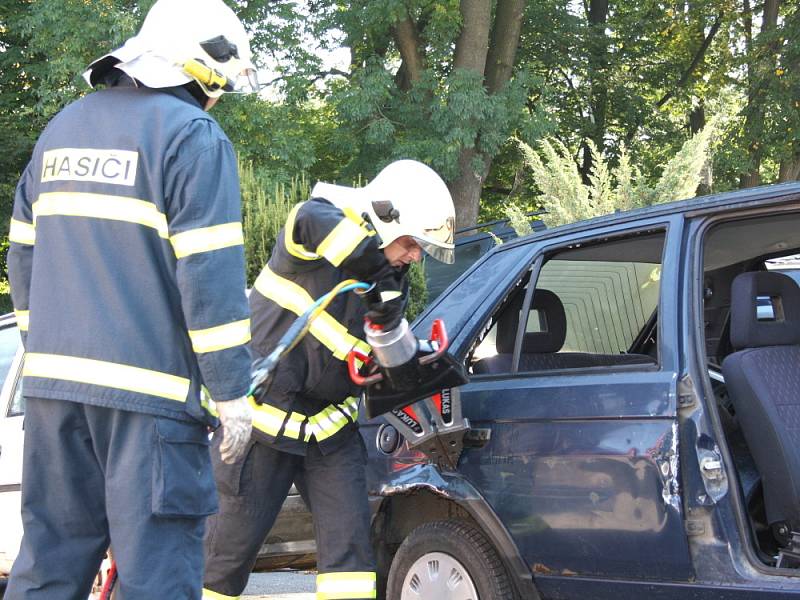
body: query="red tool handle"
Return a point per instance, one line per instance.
(111, 579)
(355, 376)
(438, 334)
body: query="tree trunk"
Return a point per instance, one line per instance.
(495, 63)
(466, 188)
(790, 169)
(505, 41)
(759, 70)
(597, 47)
(697, 121)
(409, 44)
(472, 45)
(472, 48)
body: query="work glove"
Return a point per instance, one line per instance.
(237, 423)
(386, 301)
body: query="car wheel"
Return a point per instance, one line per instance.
(447, 560)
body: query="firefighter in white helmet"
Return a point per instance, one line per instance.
(305, 425)
(127, 274)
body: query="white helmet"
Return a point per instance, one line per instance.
(185, 40)
(406, 198)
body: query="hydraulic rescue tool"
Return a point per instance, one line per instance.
(401, 370)
(405, 369)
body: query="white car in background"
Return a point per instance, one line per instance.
(11, 416)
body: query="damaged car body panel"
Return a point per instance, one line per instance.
(586, 448)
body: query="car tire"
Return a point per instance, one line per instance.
(447, 560)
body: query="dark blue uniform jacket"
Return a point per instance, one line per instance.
(126, 261)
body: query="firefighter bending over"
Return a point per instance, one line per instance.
(127, 276)
(305, 427)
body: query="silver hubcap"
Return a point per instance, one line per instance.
(438, 576)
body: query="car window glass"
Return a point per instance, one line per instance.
(593, 306)
(460, 304)
(606, 304)
(17, 407)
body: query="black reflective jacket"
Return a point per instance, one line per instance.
(312, 396)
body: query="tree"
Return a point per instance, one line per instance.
(429, 80)
(566, 198)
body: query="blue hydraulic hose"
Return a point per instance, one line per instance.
(263, 367)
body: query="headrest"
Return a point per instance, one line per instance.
(553, 324)
(746, 330)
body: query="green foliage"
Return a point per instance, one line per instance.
(566, 198)
(418, 291)
(634, 81)
(518, 220)
(265, 206)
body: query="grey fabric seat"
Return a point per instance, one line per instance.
(763, 380)
(540, 350)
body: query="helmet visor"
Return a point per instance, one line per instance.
(438, 241)
(246, 82)
(441, 253)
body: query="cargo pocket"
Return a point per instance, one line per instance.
(231, 479)
(183, 482)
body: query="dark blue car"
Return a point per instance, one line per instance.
(635, 435)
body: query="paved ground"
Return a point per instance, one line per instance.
(281, 585)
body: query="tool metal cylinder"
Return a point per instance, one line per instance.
(392, 348)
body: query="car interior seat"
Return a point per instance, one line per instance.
(763, 379)
(540, 349)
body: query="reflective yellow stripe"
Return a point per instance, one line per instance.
(206, 239)
(107, 374)
(22, 232)
(266, 417)
(326, 423)
(350, 407)
(209, 595)
(220, 337)
(340, 243)
(292, 429)
(101, 206)
(23, 319)
(335, 586)
(207, 402)
(295, 249)
(294, 298)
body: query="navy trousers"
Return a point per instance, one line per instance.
(94, 477)
(252, 492)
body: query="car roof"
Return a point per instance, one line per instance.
(761, 194)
